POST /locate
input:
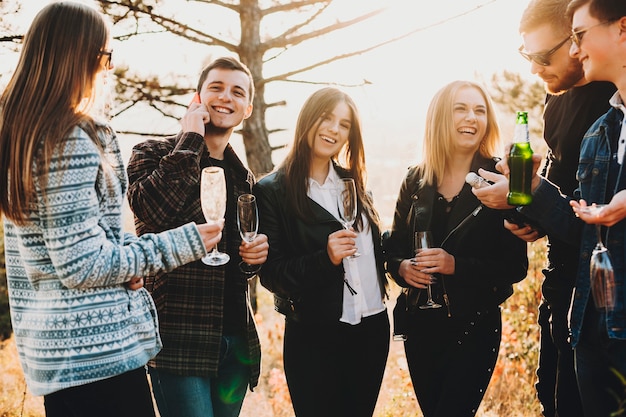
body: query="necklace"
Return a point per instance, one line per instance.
(450, 188)
(447, 203)
(449, 199)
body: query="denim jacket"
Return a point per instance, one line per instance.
(553, 211)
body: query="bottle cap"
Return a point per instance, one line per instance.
(521, 118)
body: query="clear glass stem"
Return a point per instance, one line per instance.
(430, 294)
(347, 226)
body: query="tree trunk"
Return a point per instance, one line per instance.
(255, 133)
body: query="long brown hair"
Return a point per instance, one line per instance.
(47, 96)
(296, 165)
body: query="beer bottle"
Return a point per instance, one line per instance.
(520, 164)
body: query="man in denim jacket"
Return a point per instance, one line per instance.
(598, 334)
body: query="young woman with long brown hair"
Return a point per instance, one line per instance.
(337, 330)
(84, 325)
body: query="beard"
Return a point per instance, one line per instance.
(570, 77)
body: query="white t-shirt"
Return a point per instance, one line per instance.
(617, 102)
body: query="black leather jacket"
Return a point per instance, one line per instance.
(488, 258)
(298, 267)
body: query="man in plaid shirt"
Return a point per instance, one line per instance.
(211, 349)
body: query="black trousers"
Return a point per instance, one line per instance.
(125, 395)
(451, 359)
(336, 370)
(557, 387)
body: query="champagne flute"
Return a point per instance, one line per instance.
(248, 223)
(347, 205)
(424, 240)
(213, 200)
(601, 274)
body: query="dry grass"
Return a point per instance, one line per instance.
(511, 392)
(15, 400)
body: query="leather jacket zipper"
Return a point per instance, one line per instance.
(473, 214)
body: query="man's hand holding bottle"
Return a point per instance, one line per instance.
(495, 195)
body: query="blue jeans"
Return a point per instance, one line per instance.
(197, 396)
(597, 360)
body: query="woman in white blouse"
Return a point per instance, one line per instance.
(337, 330)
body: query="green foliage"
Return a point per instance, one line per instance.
(5, 318)
(511, 92)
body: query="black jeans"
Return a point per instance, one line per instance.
(451, 359)
(125, 395)
(557, 388)
(336, 369)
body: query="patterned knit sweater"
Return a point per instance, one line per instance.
(73, 319)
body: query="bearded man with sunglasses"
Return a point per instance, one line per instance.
(572, 105)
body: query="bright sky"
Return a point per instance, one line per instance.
(404, 75)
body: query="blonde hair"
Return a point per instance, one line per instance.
(440, 133)
(47, 96)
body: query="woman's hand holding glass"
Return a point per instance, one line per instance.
(435, 261)
(211, 233)
(347, 202)
(341, 244)
(413, 275)
(418, 271)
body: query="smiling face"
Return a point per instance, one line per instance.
(470, 119)
(564, 71)
(226, 93)
(598, 47)
(327, 137)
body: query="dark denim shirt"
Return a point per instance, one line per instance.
(552, 210)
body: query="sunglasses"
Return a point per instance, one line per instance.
(542, 59)
(109, 55)
(577, 35)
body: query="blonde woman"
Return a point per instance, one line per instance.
(473, 262)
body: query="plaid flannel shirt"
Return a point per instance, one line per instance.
(164, 190)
